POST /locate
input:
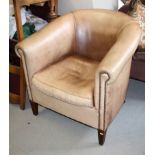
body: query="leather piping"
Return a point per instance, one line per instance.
(63, 100)
(106, 83)
(99, 118)
(75, 28)
(75, 42)
(124, 26)
(63, 90)
(24, 64)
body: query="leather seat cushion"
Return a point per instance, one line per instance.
(71, 79)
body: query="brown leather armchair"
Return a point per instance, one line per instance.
(79, 65)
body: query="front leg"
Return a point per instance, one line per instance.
(101, 136)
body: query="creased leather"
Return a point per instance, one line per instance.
(70, 80)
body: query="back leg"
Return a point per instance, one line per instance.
(34, 107)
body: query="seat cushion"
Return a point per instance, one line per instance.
(71, 80)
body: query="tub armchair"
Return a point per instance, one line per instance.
(79, 65)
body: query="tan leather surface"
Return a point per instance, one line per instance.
(116, 93)
(71, 80)
(112, 96)
(48, 45)
(83, 114)
(121, 51)
(97, 30)
(79, 64)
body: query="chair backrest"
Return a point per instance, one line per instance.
(96, 31)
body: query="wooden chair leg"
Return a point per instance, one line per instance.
(34, 107)
(101, 136)
(22, 88)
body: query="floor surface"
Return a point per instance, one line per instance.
(52, 134)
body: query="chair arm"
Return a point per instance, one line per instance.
(47, 45)
(120, 53)
(116, 58)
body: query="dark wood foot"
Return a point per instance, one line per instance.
(34, 107)
(124, 101)
(101, 136)
(22, 106)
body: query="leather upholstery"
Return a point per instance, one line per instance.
(71, 80)
(79, 64)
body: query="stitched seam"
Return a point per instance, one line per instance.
(120, 71)
(75, 26)
(25, 64)
(124, 26)
(75, 40)
(105, 96)
(100, 81)
(63, 100)
(62, 90)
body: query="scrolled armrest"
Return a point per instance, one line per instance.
(47, 45)
(115, 60)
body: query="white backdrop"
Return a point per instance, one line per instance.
(65, 6)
